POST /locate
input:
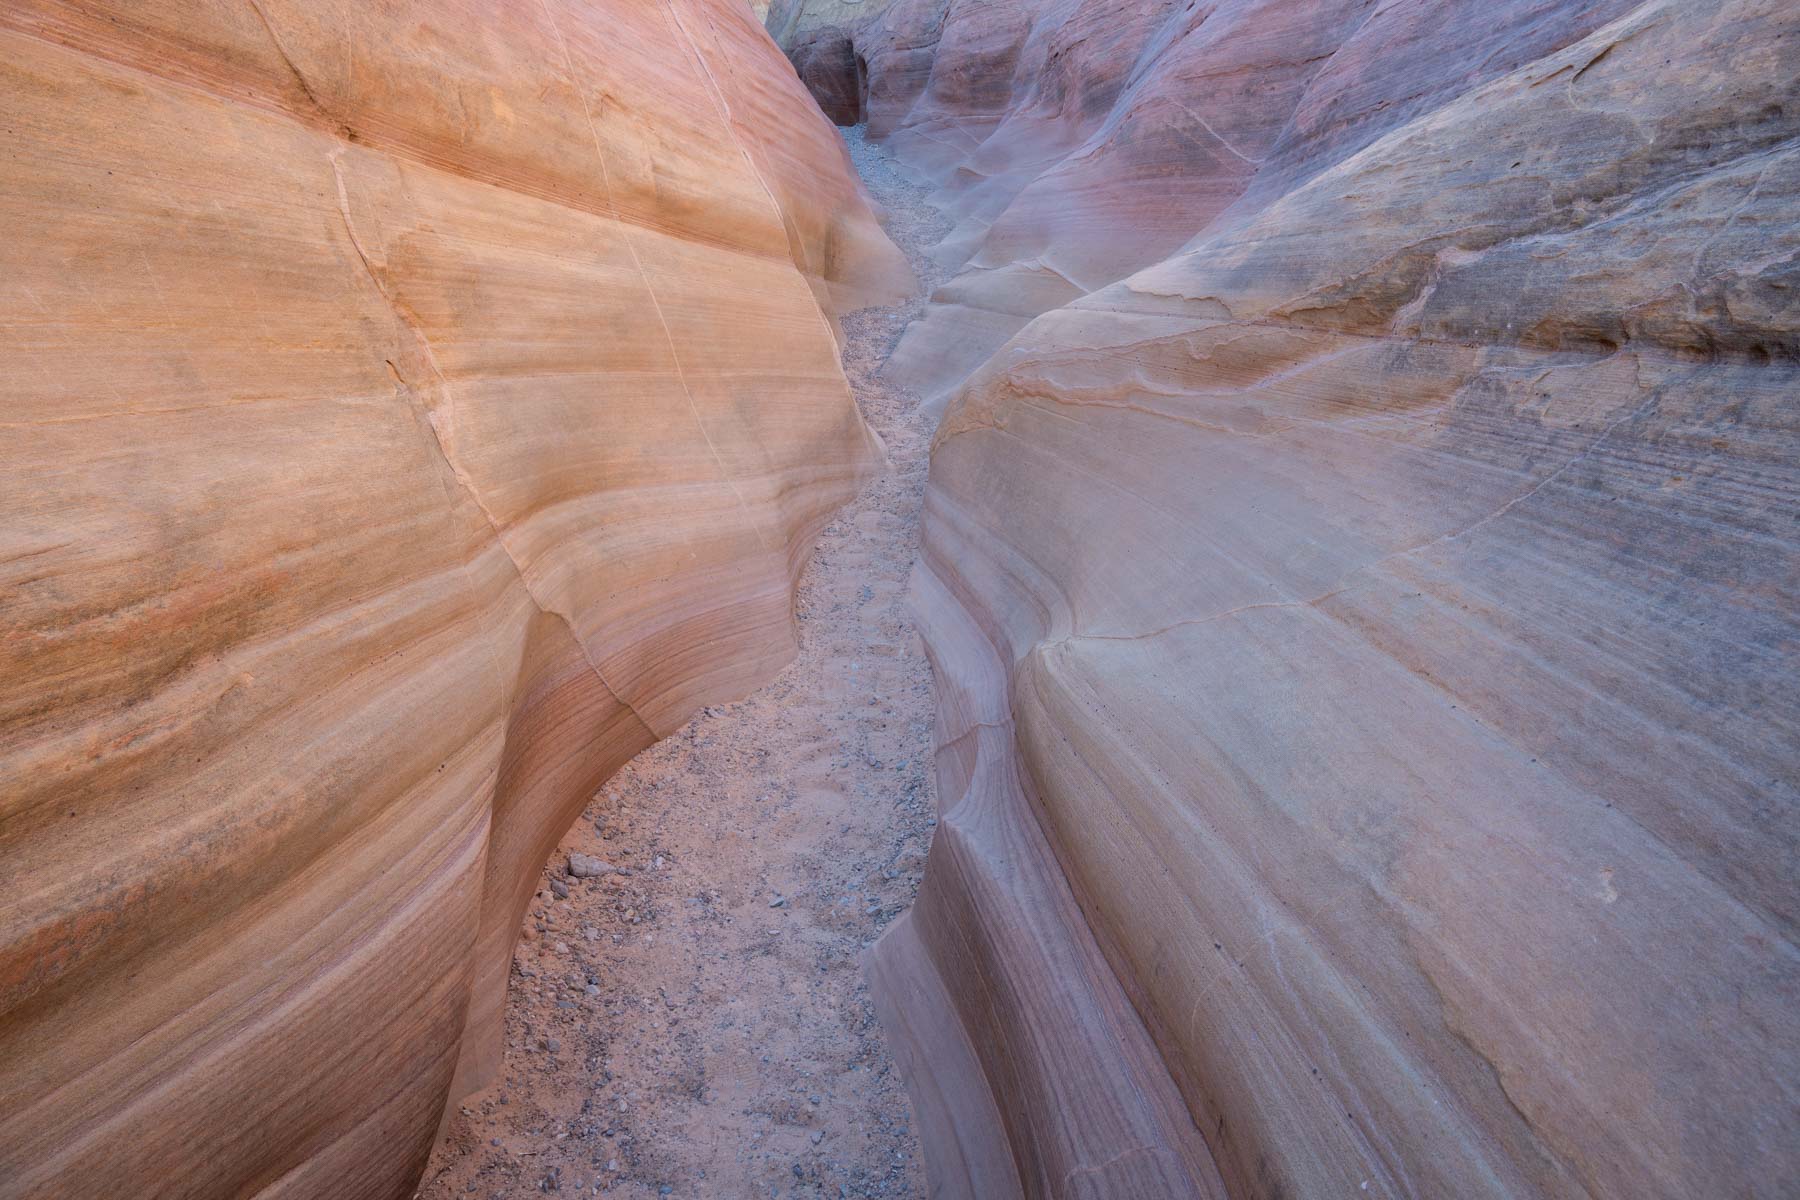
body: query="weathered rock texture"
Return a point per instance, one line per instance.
(410, 411)
(792, 21)
(827, 63)
(1364, 602)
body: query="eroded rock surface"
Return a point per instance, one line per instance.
(1361, 576)
(789, 21)
(410, 412)
(827, 63)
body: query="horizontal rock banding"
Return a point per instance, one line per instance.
(1360, 548)
(409, 416)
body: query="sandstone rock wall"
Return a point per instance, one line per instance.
(1361, 576)
(410, 411)
(792, 21)
(1080, 141)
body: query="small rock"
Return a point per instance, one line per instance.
(584, 866)
(552, 1045)
(560, 947)
(817, 1137)
(778, 902)
(815, 1099)
(559, 889)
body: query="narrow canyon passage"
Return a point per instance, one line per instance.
(1326, 557)
(693, 1021)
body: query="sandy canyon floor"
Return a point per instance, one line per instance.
(696, 1023)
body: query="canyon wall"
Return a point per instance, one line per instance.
(794, 22)
(1360, 569)
(410, 412)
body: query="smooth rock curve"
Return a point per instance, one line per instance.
(411, 411)
(1361, 575)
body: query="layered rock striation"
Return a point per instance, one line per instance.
(410, 412)
(1360, 568)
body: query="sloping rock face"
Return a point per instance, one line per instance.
(410, 412)
(1081, 141)
(1363, 601)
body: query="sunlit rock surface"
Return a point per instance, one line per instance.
(1364, 600)
(410, 411)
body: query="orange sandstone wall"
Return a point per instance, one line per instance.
(1361, 569)
(410, 411)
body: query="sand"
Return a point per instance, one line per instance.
(700, 1026)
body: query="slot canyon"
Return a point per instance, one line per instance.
(892, 598)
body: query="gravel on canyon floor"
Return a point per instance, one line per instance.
(687, 1014)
